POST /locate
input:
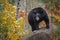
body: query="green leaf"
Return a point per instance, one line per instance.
(1, 7)
(58, 2)
(51, 4)
(43, 1)
(11, 1)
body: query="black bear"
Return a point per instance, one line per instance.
(37, 15)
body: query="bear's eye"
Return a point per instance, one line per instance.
(41, 11)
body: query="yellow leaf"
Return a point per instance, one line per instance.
(13, 18)
(4, 21)
(21, 20)
(27, 32)
(4, 1)
(21, 34)
(13, 9)
(7, 7)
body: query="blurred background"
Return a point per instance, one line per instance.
(14, 17)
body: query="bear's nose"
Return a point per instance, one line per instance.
(37, 18)
(37, 14)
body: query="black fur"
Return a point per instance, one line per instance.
(37, 12)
